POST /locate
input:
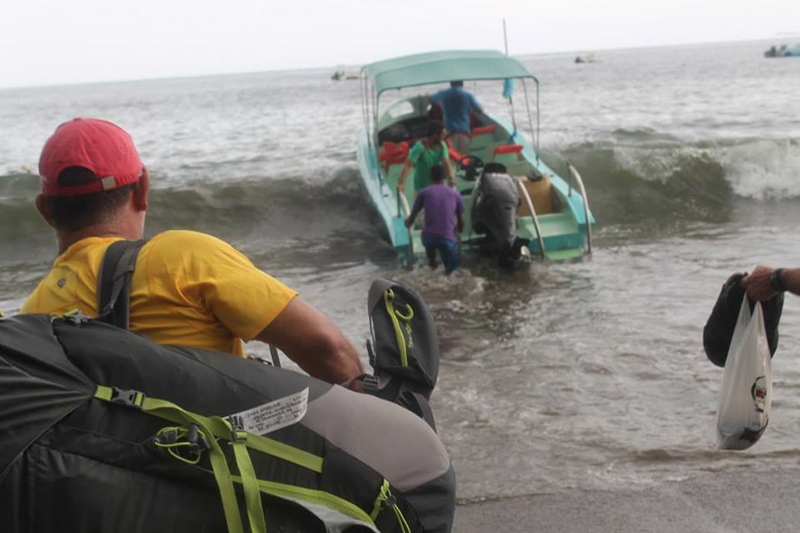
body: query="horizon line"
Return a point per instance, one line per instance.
(279, 70)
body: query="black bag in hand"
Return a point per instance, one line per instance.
(719, 328)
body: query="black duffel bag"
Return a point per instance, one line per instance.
(718, 330)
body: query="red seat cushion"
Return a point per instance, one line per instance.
(484, 129)
(509, 149)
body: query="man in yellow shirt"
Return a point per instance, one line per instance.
(188, 288)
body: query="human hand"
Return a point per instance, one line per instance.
(401, 187)
(408, 222)
(758, 284)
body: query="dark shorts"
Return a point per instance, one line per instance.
(447, 249)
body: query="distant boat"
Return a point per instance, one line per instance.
(340, 75)
(783, 51)
(588, 58)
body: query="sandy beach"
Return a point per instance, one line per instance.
(746, 500)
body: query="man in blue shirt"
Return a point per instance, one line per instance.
(457, 104)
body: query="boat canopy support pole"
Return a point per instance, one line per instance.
(534, 133)
(404, 211)
(374, 136)
(538, 122)
(513, 116)
(365, 101)
(529, 203)
(574, 172)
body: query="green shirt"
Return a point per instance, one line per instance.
(424, 159)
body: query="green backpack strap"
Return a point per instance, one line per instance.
(252, 494)
(173, 413)
(396, 315)
(214, 427)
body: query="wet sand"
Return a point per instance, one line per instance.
(747, 500)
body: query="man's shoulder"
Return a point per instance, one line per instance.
(183, 237)
(458, 197)
(452, 191)
(172, 245)
(416, 149)
(424, 192)
(438, 189)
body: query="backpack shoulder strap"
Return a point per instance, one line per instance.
(114, 282)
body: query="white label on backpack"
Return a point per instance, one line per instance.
(273, 415)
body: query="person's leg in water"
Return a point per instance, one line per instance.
(431, 253)
(449, 251)
(447, 248)
(431, 245)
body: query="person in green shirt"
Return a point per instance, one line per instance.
(424, 155)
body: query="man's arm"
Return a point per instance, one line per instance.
(415, 210)
(309, 339)
(401, 182)
(448, 170)
(459, 213)
(759, 283)
(475, 105)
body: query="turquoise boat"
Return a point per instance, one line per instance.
(554, 215)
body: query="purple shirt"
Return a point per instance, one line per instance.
(441, 203)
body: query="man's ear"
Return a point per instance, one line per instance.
(141, 191)
(43, 207)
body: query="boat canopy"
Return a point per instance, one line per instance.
(437, 67)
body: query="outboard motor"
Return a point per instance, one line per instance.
(495, 207)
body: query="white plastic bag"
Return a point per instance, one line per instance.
(746, 391)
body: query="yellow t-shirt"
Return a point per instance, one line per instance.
(188, 288)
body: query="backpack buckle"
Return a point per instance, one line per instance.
(371, 384)
(127, 397)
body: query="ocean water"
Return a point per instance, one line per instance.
(588, 374)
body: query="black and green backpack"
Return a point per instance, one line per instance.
(103, 430)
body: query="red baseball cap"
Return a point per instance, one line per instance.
(98, 145)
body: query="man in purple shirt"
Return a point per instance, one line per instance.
(442, 205)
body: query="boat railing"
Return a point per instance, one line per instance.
(529, 203)
(573, 173)
(405, 211)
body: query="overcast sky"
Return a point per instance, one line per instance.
(45, 42)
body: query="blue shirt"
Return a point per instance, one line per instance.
(441, 203)
(456, 104)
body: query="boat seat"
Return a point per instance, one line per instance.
(520, 168)
(508, 155)
(481, 138)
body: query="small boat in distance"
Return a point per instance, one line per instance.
(341, 75)
(554, 217)
(587, 58)
(783, 51)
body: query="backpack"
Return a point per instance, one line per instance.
(102, 429)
